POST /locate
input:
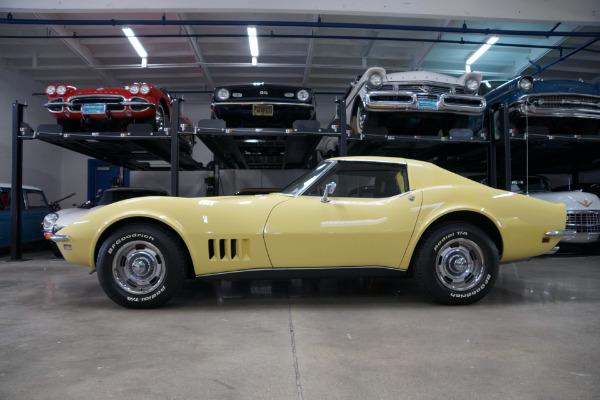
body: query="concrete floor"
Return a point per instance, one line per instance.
(536, 336)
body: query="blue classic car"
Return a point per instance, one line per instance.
(34, 208)
(549, 107)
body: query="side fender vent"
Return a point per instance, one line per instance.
(228, 249)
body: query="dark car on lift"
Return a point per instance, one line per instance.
(262, 105)
(549, 107)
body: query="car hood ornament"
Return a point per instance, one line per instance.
(586, 203)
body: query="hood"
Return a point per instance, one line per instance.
(68, 215)
(574, 200)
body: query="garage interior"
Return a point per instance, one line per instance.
(535, 336)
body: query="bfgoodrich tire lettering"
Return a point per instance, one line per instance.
(456, 263)
(141, 265)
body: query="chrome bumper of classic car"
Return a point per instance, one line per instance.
(409, 101)
(560, 233)
(75, 104)
(560, 105)
(249, 103)
(59, 238)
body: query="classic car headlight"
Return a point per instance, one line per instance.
(49, 221)
(375, 81)
(134, 89)
(525, 84)
(302, 95)
(222, 94)
(471, 85)
(144, 89)
(61, 89)
(50, 90)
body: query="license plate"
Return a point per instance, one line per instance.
(94, 109)
(428, 104)
(262, 110)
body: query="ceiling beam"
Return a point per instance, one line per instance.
(81, 51)
(198, 54)
(581, 11)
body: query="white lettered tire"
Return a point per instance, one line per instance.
(141, 265)
(456, 263)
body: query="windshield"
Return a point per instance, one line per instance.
(534, 184)
(307, 179)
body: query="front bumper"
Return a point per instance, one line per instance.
(114, 107)
(389, 101)
(559, 105)
(59, 238)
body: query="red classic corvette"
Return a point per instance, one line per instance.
(110, 109)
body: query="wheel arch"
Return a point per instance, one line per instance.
(481, 221)
(118, 224)
(167, 107)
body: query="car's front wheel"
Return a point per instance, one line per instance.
(456, 263)
(161, 119)
(362, 119)
(141, 265)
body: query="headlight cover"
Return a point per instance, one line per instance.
(49, 221)
(525, 84)
(375, 81)
(471, 85)
(303, 95)
(222, 94)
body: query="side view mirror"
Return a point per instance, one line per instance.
(329, 189)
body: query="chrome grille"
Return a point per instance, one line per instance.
(140, 100)
(569, 101)
(112, 102)
(426, 89)
(57, 108)
(583, 221)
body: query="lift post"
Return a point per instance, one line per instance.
(343, 144)
(175, 146)
(16, 192)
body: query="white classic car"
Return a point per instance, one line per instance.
(414, 103)
(55, 221)
(583, 209)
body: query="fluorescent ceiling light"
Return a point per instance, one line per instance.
(135, 42)
(253, 41)
(254, 61)
(482, 50)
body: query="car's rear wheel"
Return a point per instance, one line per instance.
(456, 263)
(141, 265)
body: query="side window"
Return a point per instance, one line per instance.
(35, 200)
(4, 199)
(363, 180)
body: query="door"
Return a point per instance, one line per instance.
(33, 213)
(102, 176)
(367, 221)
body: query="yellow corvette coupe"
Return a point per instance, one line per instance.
(351, 216)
